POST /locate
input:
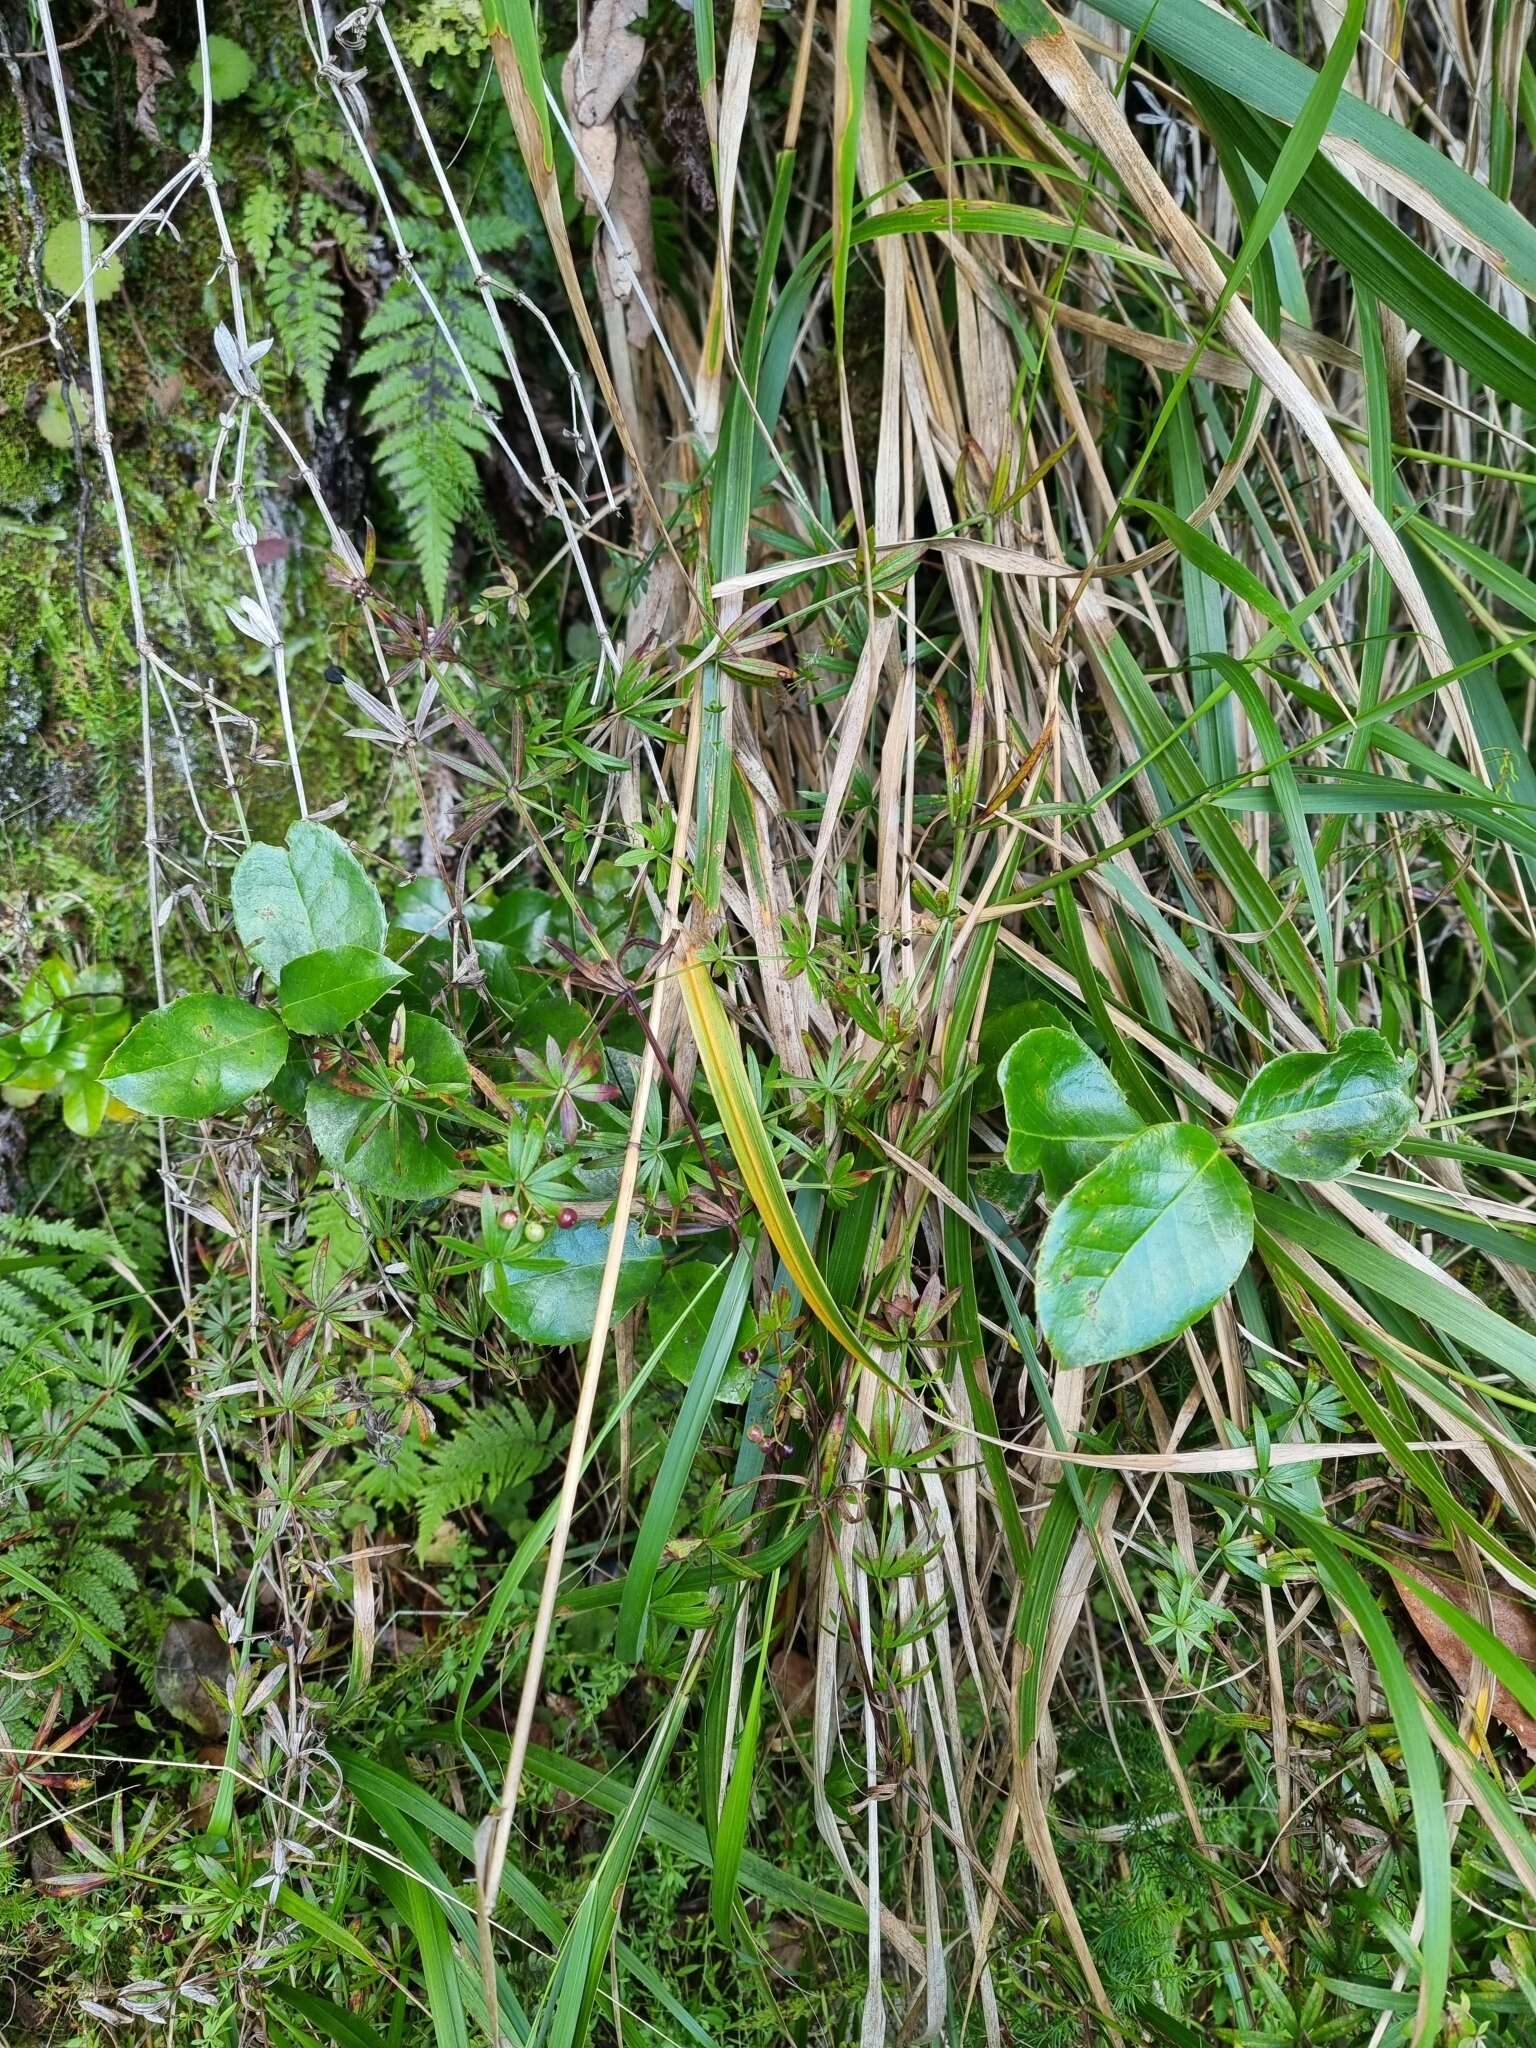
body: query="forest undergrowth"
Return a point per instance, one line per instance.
(767, 1254)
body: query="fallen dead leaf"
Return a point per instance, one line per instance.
(605, 61)
(1513, 1624)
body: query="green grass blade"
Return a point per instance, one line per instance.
(682, 1444)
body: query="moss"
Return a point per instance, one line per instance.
(33, 476)
(24, 765)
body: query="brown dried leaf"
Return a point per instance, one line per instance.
(190, 1669)
(151, 66)
(605, 62)
(1513, 1624)
(628, 257)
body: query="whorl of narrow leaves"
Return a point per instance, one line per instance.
(394, 1151)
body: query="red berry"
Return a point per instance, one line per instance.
(567, 1219)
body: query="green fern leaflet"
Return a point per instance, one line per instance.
(430, 426)
(305, 303)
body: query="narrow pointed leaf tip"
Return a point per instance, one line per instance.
(752, 1149)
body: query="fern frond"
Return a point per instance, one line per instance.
(431, 426)
(52, 1276)
(496, 1448)
(305, 303)
(261, 221)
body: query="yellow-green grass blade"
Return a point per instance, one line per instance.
(752, 1150)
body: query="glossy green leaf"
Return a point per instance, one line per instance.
(546, 1292)
(1061, 1100)
(677, 1321)
(197, 1057)
(304, 897)
(519, 920)
(319, 993)
(1007, 1017)
(398, 1157)
(1142, 1246)
(83, 1104)
(1314, 1115)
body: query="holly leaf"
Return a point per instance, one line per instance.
(546, 1292)
(197, 1057)
(1143, 1246)
(519, 920)
(84, 1104)
(1315, 1115)
(1065, 1108)
(679, 1313)
(308, 896)
(321, 993)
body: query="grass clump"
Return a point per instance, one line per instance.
(793, 1297)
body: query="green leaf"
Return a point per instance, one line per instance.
(398, 1158)
(736, 1807)
(430, 399)
(1142, 1246)
(519, 921)
(331, 2022)
(84, 1104)
(678, 1316)
(53, 415)
(1314, 1115)
(1061, 1100)
(64, 270)
(319, 993)
(230, 70)
(1269, 81)
(752, 1150)
(1007, 1016)
(546, 1292)
(304, 300)
(196, 1057)
(305, 897)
